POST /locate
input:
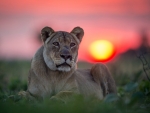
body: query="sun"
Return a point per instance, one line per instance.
(101, 50)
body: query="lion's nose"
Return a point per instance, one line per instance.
(66, 56)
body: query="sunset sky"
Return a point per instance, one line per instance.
(118, 21)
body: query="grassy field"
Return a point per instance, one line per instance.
(132, 85)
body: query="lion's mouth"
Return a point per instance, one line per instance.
(63, 64)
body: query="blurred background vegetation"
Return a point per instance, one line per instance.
(127, 69)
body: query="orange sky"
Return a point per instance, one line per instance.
(118, 21)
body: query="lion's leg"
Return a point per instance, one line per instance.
(26, 94)
(63, 95)
(31, 84)
(102, 76)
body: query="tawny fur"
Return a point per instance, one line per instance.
(46, 81)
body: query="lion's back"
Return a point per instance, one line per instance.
(86, 84)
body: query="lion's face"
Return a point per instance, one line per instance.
(61, 48)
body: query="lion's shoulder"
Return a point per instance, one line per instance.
(39, 54)
(38, 64)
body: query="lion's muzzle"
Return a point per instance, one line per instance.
(64, 64)
(65, 54)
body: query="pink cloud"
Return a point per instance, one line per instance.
(42, 7)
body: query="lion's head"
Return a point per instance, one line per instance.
(61, 48)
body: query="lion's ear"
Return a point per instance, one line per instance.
(78, 32)
(46, 32)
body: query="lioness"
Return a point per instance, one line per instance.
(54, 72)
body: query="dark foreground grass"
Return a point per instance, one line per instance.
(127, 103)
(133, 95)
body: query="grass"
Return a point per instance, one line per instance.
(133, 91)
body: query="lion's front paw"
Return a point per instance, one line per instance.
(23, 93)
(55, 98)
(26, 95)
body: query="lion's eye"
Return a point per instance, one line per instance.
(55, 43)
(72, 44)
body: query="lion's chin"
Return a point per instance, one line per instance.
(64, 67)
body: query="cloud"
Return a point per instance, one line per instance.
(42, 7)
